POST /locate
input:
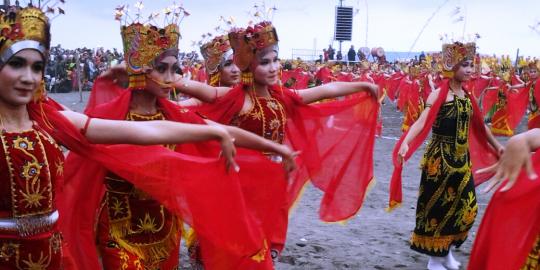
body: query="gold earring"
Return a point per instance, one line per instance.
(247, 78)
(40, 92)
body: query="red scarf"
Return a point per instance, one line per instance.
(519, 101)
(482, 153)
(193, 187)
(510, 226)
(336, 141)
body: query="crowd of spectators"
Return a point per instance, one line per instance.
(68, 68)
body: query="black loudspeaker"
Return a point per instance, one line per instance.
(344, 21)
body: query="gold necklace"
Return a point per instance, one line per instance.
(281, 117)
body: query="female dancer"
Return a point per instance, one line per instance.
(446, 206)
(331, 133)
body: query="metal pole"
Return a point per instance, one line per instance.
(517, 57)
(78, 70)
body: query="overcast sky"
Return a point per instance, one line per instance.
(504, 26)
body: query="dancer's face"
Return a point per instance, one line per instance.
(162, 76)
(463, 71)
(266, 68)
(533, 73)
(230, 73)
(20, 77)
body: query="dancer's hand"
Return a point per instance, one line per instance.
(373, 90)
(228, 151)
(117, 73)
(514, 157)
(403, 149)
(289, 156)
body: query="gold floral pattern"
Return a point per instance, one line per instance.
(27, 172)
(266, 118)
(142, 230)
(467, 214)
(41, 253)
(446, 208)
(433, 166)
(533, 259)
(31, 186)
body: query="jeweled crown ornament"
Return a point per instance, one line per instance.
(216, 49)
(215, 53)
(144, 41)
(246, 42)
(455, 52)
(26, 28)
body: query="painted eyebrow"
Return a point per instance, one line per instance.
(22, 59)
(18, 58)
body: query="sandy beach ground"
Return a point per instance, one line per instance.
(373, 239)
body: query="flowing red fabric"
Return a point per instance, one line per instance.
(510, 226)
(189, 186)
(477, 84)
(103, 91)
(378, 79)
(404, 88)
(392, 85)
(490, 96)
(199, 184)
(324, 75)
(482, 154)
(296, 79)
(336, 141)
(344, 77)
(367, 76)
(259, 194)
(411, 107)
(519, 101)
(517, 106)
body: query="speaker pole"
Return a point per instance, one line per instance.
(341, 5)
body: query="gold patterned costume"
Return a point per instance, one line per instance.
(533, 260)
(446, 207)
(30, 172)
(135, 231)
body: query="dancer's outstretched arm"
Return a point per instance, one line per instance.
(151, 133)
(337, 89)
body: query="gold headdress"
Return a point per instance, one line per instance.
(454, 53)
(215, 53)
(534, 64)
(246, 42)
(143, 42)
(25, 28)
(216, 49)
